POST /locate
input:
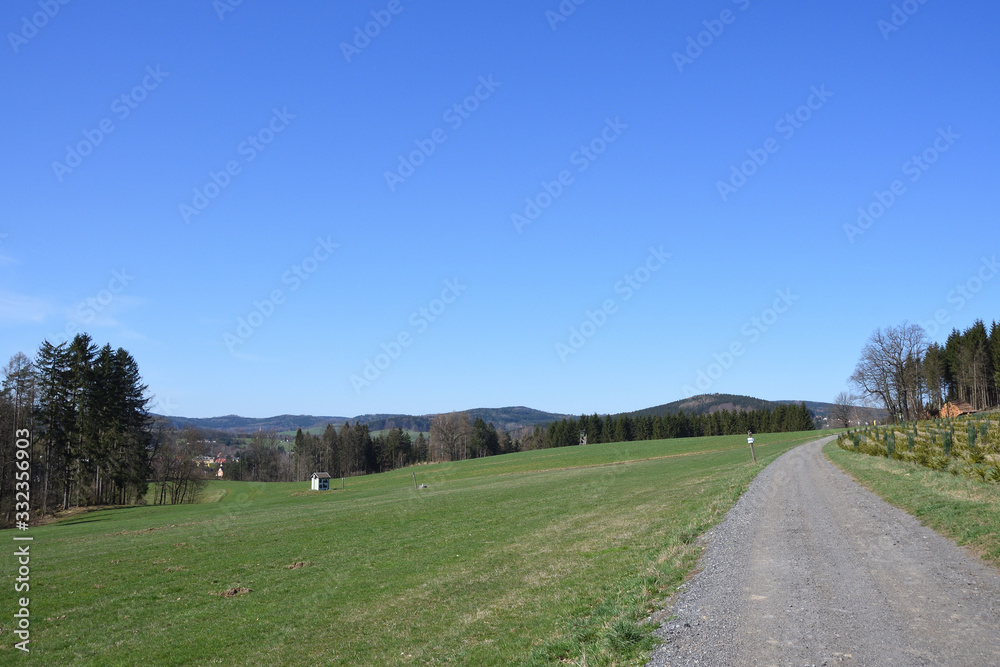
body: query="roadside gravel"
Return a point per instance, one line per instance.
(810, 569)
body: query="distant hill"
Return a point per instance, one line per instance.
(236, 424)
(708, 404)
(819, 410)
(511, 419)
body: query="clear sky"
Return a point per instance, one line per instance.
(258, 199)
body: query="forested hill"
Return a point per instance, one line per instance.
(509, 419)
(706, 404)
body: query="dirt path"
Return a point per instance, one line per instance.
(811, 569)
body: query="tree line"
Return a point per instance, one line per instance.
(627, 428)
(352, 450)
(92, 440)
(912, 378)
(345, 452)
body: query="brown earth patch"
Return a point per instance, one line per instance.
(233, 592)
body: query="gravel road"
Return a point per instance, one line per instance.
(810, 569)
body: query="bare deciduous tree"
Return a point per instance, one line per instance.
(843, 408)
(890, 369)
(450, 435)
(175, 466)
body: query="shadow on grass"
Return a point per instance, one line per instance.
(90, 515)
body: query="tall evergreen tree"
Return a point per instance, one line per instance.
(53, 417)
(299, 453)
(331, 451)
(995, 358)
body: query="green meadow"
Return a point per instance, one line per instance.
(547, 557)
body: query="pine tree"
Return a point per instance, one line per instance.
(331, 451)
(127, 426)
(54, 415)
(420, 448)
(299, 452)
(994, 346)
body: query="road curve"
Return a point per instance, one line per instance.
(810, 569)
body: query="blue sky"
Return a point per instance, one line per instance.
(205, 184)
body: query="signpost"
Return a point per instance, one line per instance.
(750, 442)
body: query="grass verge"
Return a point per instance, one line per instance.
(962, 509)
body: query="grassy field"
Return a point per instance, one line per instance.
(544, 557)
(315, 430)
(964, 509)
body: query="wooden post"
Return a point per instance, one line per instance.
(750, 442)
(414, 479)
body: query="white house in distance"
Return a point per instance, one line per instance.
(320, 481)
